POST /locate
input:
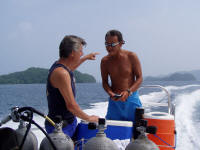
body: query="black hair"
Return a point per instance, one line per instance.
(70, 43)
(115, 33)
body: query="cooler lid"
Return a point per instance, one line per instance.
(158, 115)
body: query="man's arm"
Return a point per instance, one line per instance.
(104, 76)
(60, 79)
(137, 72)
(91, 56)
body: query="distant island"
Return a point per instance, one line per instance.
(39, 75)
(173, 77)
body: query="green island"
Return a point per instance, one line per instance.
(178, 76)
(39, 75)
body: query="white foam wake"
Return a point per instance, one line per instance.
(169, 88)
(188, 137)
(99, 109)
(157, 96)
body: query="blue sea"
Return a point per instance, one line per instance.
(93, 100)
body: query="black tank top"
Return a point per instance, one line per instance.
(56, 102)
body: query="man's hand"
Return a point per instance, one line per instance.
(93, 118)
(113, 97)
(125, 95)
(91, 56)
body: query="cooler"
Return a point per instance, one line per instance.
(165, 136)
(115, 130)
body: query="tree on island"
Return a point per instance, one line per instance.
(173, 77)
(39, 75)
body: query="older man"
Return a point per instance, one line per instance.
(61, 87)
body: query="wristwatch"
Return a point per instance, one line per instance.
(129, 92)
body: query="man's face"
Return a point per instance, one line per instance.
(112, 44)
(77, 54)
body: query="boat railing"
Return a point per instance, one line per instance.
(171, 107)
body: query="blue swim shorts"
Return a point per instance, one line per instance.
(118, 110)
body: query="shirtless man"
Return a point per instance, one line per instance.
(124, 69)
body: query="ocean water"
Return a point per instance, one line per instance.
(93, 100)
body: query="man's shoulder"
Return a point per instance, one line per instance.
(106, 61)
(129, 53)
(60, 72)
(105, 58)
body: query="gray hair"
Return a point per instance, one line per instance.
(70, 43)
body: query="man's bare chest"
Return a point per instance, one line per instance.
(121, 67)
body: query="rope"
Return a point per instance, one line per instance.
(165, 141)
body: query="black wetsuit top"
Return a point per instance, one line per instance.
(56, 102)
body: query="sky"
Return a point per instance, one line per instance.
(165, 34)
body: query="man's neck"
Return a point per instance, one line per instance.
(117, 54)
(66, 62)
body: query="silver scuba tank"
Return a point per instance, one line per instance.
(30, 142)
(100, 142)
(60, 140)
(21, 138)
(142, 142)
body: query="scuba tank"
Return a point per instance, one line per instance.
(8, 139)
(21, 138)
(12, 139)
(60, 140)
(24, 139)
(100, 142)
(140, 141)
(30, 142)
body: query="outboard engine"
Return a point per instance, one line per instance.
(100, 142)
(60, 140)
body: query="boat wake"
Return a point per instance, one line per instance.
(187, 128)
